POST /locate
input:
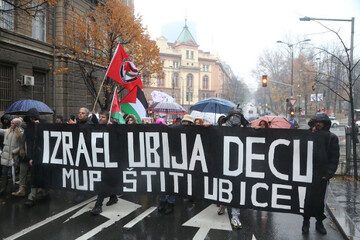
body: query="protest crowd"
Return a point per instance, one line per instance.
(17, 145)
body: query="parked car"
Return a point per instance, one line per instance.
(357, 123)
(334, 123)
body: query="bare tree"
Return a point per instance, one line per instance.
(342, 86)
(28, 7)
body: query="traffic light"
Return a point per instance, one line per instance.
(292, 112)
(264, 80)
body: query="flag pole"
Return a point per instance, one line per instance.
(97, 97)
(112, 103)
(102, 83)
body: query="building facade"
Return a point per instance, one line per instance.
(189, 74)
(27, 57)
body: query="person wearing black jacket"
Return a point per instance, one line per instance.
(83, 121)
(97, 209)
(325, 165)
(32, 118)
(235, 118)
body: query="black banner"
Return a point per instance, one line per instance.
(267, 169)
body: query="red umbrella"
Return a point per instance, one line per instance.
(273, 121)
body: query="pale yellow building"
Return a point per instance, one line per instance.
(189, 74)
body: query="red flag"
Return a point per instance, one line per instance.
(123, 70)
(115, 111)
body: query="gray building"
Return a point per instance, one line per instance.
(27, 57)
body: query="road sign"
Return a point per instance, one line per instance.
(292, 101)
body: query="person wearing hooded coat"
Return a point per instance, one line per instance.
(326, 160)
(235, 118)
(32, 118)
(5, 121)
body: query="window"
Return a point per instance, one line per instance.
(39, 24)
(160, 79)
(187, 54)
(6, 77)
(176, 64)
(39, 88)
(205, 82)
(192, 54)
(205, 68)
(189, 81)
(189, 96)
(145, 77)
(176, 80)
(6, 15)
(205, 95)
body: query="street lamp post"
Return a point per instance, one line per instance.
(351, 108)
(291, 47)
(352, 20)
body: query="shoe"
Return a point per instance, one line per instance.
(320, 227)
(235, 222)
(96, 210)
(112, 201)
(169, 208)
(20, 192)
(221, 210)
(305, 226)
(29, 203)
(161, 206)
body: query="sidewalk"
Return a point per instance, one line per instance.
(343, 204)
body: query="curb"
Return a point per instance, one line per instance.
(342, 220)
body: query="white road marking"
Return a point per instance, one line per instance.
(139, 218)
(114, 212)
(253, 237)
(208, 219)
(47, 220)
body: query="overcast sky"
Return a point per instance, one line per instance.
(238, 31)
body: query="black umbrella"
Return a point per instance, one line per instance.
(22, 106)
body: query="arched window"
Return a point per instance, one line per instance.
(205, 82)
(189, 80)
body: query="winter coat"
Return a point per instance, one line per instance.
(11, 146)
(328, 162)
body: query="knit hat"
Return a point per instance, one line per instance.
(17, 122)
(188, 118)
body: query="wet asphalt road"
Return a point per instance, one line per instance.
(60, 218)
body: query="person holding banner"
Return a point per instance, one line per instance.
(97, 209)
(235, 118)
(325, 165)
(83, 120)
(12, 137)
(83, 117)
(32, 118)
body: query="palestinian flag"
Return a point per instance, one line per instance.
(115, 111)
(134, 103)
(123, 70)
